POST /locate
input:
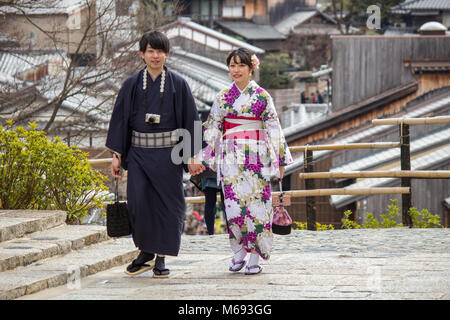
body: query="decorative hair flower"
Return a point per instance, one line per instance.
(255, 61)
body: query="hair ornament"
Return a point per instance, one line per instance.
(255, 61)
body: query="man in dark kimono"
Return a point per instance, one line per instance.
(150, 106)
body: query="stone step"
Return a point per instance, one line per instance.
(17, 223)
(67, 269)
(44, 244)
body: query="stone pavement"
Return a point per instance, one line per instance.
(398, 263)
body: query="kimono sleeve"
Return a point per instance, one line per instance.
(212, 136)
(115, 138)
(190, 117)
(276, 143)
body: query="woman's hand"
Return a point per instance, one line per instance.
(195, 167)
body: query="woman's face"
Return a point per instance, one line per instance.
(239, 72)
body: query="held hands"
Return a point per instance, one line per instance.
(195, 167)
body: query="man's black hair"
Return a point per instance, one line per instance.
(156, 40)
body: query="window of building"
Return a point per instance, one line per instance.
(235, 11)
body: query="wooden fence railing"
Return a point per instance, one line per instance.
(405, 174)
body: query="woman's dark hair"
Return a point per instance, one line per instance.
(244, 55)
(156, 40)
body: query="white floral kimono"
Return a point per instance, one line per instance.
(246, 146)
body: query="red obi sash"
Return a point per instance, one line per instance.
(243, 128)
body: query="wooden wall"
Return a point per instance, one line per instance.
(365, 66)
(425, 83)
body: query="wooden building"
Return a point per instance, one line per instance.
(378, 77)
(67, 23)
(250, 20)
(414, 13)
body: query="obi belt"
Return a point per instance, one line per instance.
(243, 128)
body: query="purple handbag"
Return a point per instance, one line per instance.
(282, 222)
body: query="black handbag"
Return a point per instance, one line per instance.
(117, 217)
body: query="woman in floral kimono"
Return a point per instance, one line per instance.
(245, 146)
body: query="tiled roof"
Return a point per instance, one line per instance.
(289, 23)
(375, 159)
(13, 64)
(421, 5)
(421, 163)
(205, 77)
(46, 7)
(302, 115)
(252, 31)
(195, 32)
(298, 161)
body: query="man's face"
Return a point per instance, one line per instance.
(154, 58)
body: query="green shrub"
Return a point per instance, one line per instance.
(347, 223)
(420, 219)
(424, 219)
(388, 220)
(371, 222)
(304, 226)
(38, 173)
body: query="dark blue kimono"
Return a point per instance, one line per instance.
(155, 184)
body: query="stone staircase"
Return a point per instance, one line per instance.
(39, 251)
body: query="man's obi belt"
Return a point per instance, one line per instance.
(154, 139)
(243, 128)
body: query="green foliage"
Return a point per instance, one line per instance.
(348, 223)
(420, 219)
(304, 226)
(271, 75)
(424, 219)
(371, 222)
(37, 173)
(389, 218)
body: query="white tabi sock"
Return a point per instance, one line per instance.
(240, 255)
(254, 259)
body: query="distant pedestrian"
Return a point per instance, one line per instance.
(315, 99)
(210, 187)
(319, 97)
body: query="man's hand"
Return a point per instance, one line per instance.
(195, 167)
(116, 170)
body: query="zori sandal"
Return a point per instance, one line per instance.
(249, 269)
(236, 266)
(160, 271)
(140, 265)
(135, 269)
